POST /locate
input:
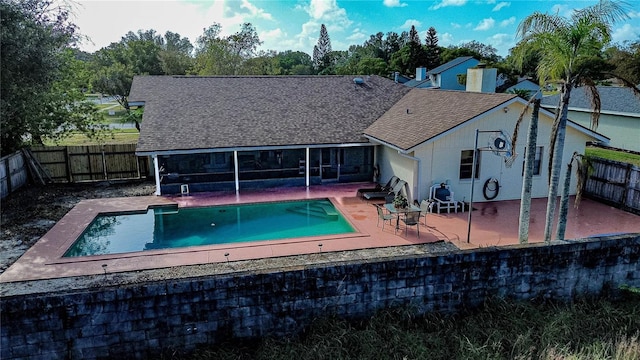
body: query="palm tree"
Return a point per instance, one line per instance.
(568, 50)
(530, 154)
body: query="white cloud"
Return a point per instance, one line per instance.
(445, 3)
(485, 24)
(320, 12)
(507, 22)
(456, 25)
(445, 39)
(272, 36)
(410, 22)
(393, 3)
(626, 32)
(358, 36)
(255, 11)
(502, 43)
(634, 14)
(105, 23)
(501, 5)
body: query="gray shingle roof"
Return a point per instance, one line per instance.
(449, 65)
(431, 112)
(613, 99)
(244, 111)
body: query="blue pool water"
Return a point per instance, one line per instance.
(170, 227)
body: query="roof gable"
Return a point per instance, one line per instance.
(183, 112)
(446, 66)
(423, 114)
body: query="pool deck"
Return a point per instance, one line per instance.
(493, 224)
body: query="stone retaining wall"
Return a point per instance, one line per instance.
(139, 321)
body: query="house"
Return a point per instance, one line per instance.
(445, 76)
(229, 132)
(526, 85)
(619, 115)
(233, 132)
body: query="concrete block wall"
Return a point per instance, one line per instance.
(138, 321)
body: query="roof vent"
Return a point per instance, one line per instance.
(358, 81)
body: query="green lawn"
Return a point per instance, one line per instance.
(613, 155)
(123, 136)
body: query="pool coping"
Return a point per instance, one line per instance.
(61, 259)
(44, 259)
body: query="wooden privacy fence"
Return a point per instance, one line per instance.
(616, 183)
(92, 162)
(13, 173)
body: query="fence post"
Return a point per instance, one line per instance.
(104, 165)
(67, 163)
(7, 170)
(627, 184)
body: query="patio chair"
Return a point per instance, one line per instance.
(387, 187)
(383, 194)
(442, 198)
(425, 207)
(383, 215)
(412, 218)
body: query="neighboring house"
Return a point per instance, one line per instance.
(524, 84)
(239, 132)
(399, 78)
(619, 116)
(228, 132)
(445, 76)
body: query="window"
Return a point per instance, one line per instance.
(537, 162)
(466, 164)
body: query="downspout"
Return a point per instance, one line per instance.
(416, 183)
(156, 173)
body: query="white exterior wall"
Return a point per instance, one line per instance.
(391, 163)
(624, 131)
(441, 158)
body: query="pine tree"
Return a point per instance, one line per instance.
(322, 50)
(414, 36)
(432, 49)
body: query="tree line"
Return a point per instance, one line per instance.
(44, 76)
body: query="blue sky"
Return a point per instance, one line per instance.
(295, 25)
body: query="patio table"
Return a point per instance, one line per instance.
(392, 209)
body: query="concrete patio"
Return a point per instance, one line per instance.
(493, 224)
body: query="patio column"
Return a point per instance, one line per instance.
(236, 172)
(156, 173)
(306, 170)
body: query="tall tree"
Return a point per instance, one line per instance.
(529, 160)
(322, 50)
(566, 48)
(40, 96)
(175, 54)
(626, 60)
(410, 56)
(432, 49)
(217, 55)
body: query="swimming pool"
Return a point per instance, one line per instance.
(170, 227)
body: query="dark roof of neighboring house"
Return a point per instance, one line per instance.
(430, 113)
(612, 98)
(449, 65)
(183, 113)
